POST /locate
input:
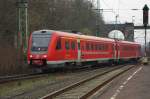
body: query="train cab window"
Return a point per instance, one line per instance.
(73, 45)
(40, 42)
(58, 45)
(67, 45)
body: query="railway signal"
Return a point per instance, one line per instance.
(145, 15)
(145, 21)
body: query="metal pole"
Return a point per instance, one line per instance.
(116, 26)
(26, 26)
(19, 27)
(116, 55)
(98, 15)
(98, 5)
(22, 24)
(145, 41)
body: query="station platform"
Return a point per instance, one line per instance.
(132, 85)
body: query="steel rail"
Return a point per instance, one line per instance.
(90, 93)
(61, 91)
(5, 79)
(20, 77)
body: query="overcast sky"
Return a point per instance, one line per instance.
(125, 12)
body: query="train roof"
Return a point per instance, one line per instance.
(60, 33)
(82, 36)
(129, 42)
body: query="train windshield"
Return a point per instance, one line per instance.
(40, 42)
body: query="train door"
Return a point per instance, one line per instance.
(114, 51)
(79, 50)
(58, 49)
(73, 50)
(67, 51)
(118, 50)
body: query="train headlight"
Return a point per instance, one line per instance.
(31, 56)
(45, 56)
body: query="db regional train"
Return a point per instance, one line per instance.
(49, 48)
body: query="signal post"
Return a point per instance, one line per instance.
(145, 23)
(22, 34)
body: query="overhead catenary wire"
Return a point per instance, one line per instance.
(109, 8)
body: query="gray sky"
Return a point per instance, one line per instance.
(123, 8)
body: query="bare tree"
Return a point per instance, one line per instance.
(75, 15)
(63, 15)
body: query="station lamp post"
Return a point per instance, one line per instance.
(22, 21)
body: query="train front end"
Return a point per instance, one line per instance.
(38, 47)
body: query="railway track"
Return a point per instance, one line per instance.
(87, 87)
(20, 77)
(6, 79)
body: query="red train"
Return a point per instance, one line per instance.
(55, 48)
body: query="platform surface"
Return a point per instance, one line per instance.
(133, 85)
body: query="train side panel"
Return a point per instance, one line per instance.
(63, 49)
(56, 47)
(128, 50)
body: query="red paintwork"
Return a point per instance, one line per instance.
(133, 51)
(63, 54)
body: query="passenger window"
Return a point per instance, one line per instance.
(58, 45)
(106, 47)
(100, 47)
(73, 45)
(82, 46)
(87, 46)
(67, 45)
(96, 47)
(92, 46)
